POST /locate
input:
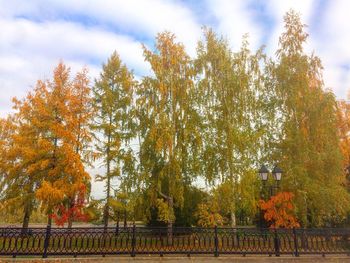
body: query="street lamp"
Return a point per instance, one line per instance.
(277, 173)
(277, 176)
(264, 174)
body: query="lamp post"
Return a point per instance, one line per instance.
(272, 189)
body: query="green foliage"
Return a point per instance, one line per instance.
(114, 123)
(192, 198)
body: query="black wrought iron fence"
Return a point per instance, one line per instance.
(158, 240)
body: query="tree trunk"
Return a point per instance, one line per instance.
(106, 214)
(49, 219)
(70, 218)
(233, 219)
(106, 209)
(117, 225)
(26, 217)
(70, 221)
(233, 225)
(125, 219)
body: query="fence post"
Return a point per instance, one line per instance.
(133, 241)
(296, 252)
(47, 239)
(277, 244)
(216, 242)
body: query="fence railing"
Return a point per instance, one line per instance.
(182, 240)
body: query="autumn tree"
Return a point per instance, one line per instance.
(169, 137)
(122, 207)
(343, 115)
(208, 215)
(230, 86)
(82, 113)
(309, 150)
(114, 123)
(17, 183)
(279, 210)
(73, 211)
(65, 174)
(21, 159)
(43, 165)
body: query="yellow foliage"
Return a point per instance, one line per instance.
(165, 213)
(207, 216)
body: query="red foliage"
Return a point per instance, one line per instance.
(74, 210)
(279, 210)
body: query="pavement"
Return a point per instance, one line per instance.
(202, 259)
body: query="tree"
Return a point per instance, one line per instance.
(343, 130)
(169, 137)
(21, 156)
(75, 211)
(121, 207)
(82, 112)
(208, 215)
(193, 196)
(308, 148)
(230, 86)
(17, 183)
(64, 172)
(280, 211)
(42, 162)
(114, 122)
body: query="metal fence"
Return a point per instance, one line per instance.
(158, 240)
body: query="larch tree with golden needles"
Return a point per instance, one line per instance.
(63, 172)
(17, 183)
(41, 164)
(22, 154)
(81, 114)
(114, 123)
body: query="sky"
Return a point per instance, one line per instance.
(36, 34)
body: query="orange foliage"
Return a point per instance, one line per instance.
(279, 210)
(52, 137)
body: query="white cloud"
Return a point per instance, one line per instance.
(333, 47)
(235, 19)
(29, 51)
(61, 39)
(134, 16)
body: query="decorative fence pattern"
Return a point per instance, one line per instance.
(189, 241)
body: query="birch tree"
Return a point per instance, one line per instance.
(170, 138)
